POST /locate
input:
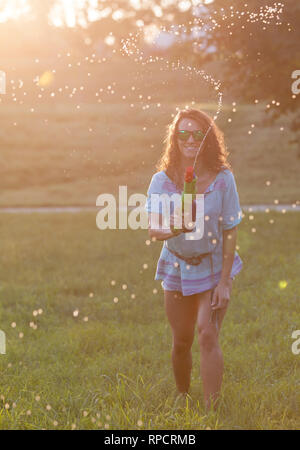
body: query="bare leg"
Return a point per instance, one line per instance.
(182, 315)
(212, 363)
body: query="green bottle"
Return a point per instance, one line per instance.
(190, 180)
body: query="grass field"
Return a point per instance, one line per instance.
(61, 162)
(54, 153)
(85, 353)
(97, 363)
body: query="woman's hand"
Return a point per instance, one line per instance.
(174, 219)
(221, 295)
(158, 231)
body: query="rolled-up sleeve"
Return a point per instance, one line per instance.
(154, 188)
(231, 210)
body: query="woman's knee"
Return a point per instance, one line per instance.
(182, 344)
(207, 338)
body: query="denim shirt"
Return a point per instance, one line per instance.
(222, 211)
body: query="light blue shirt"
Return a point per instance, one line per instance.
(222, 211)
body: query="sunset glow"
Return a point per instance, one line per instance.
(64, 12)
(13, 9)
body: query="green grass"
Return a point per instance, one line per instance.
(78, 165)
(115, 369)
(61, 155)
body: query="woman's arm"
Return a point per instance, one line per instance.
(221, 294)
(160, 233)
(229, 243)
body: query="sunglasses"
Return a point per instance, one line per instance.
(184, 135)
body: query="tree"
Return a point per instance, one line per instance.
(260, 58)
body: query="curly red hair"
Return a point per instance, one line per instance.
(213, 154)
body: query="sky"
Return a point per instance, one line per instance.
(69, 12)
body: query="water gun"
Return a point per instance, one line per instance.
(190, 180)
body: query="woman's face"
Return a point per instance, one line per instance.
(189, 147)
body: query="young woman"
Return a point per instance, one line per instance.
(197, 275)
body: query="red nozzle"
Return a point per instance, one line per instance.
(189, 174)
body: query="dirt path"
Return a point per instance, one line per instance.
(75, 209)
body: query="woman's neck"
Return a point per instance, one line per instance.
(186, 162)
